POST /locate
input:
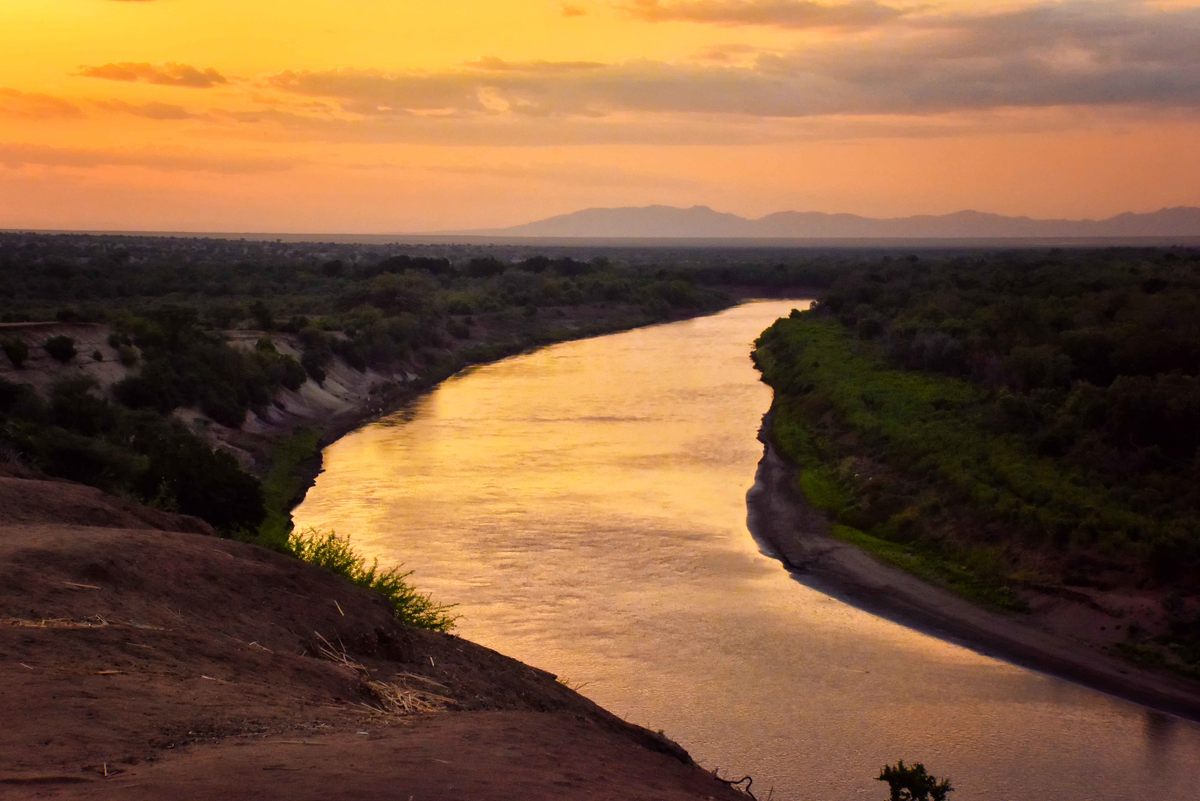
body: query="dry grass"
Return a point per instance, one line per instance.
(69, 624)
(397, 697)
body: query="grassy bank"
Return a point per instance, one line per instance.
(1009, 425)
(294, 462)
(847, 421)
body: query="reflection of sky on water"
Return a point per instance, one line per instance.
(585, 506)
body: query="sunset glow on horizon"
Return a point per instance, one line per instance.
(378, 116)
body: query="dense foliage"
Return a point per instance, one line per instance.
(77, 433)
(171, 305)
(1016, 418)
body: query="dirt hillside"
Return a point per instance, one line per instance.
(143, 658)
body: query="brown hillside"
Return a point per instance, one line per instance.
(145, 663)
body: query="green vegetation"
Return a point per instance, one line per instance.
(284, 483)
(1007, 420)
(913, 783)
(331, 552)
(79, 434)
(174, 305)
(821, 374)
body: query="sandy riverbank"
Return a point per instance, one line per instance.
(799, 536)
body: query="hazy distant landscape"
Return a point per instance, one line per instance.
(702, 222)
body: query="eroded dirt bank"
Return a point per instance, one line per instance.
(144, 658)
(1053, 638)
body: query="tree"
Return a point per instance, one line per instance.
(16, 351)
(913, 783)
(61, 348)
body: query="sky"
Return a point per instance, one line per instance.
(395, 116)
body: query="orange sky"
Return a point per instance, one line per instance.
(415, 115)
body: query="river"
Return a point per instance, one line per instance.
(584, 505)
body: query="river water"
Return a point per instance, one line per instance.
(584, 505)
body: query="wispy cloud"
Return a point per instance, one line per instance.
(152, 110)
(21, 154)
(14, 103)
(170, 74)
(778, 13)
(1064, 54)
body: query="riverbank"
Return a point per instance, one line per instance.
(286, 446)
(792, 531)
(146, 658)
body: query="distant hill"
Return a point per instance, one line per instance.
(654, 222)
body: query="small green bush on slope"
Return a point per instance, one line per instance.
(327, 550)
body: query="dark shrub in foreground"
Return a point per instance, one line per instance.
(60, 348)
(16, 351)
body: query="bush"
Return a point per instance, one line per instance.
(201, 481)
(293, 375)
(913, 783)
(85, 459)
(334, 553)
(224, 409)
(60, 348)
(313, 364)
(74, 407)
(16, 351)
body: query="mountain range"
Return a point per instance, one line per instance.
(699, 222)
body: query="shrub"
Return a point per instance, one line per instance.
(16, 351)
(327, 550)
(292, 373)
(223, 408)
(201, 481)
(85, 459)
(313, 364)
(128, 355)
(75, 408)
(913, 783)
(60, 348)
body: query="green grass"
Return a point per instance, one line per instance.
(962, 579)
(1160, 656)
(840, 409)
(284, 481)
(325, 549)
(933, 428)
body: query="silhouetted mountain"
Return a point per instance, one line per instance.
(653, 222)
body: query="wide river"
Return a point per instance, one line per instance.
(585, 507)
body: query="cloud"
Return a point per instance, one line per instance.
(152, 110)
(493, 64)
(21, 155)
(14, 103)
(1065, 54)
(573, 11)
(170, 74)
(778, 13)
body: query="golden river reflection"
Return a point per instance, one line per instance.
(585, 507)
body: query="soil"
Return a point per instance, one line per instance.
(141, 657)
(1067, 634)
